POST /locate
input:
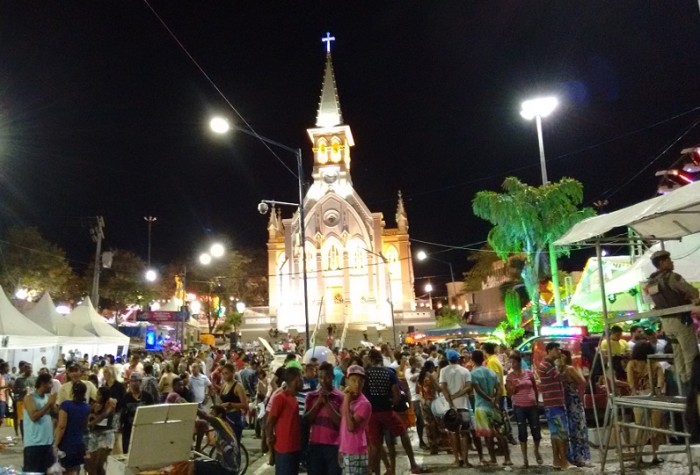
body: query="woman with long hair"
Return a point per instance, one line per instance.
(429, 389)
(117, 391)
(233, 399)
(579, 452)
(101, 426)
(641, 385)
(70, 429)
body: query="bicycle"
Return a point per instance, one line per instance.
(209, 450)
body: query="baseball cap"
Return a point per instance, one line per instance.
(294, 364)
(356, 369)
(452, 356)
(659, 255)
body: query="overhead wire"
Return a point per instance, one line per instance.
(217, 89)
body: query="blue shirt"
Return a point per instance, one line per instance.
(337, 377)
(77, 415)
(487, 381)
(39, 432)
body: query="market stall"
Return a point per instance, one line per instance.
(112, 341)
(70, 337)
(23, 340)
(665, 219)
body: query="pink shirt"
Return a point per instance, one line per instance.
(355, 442)
(323, 430)
(523, 388)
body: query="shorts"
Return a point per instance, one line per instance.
(100, 439)
(75, 457)
(466, 423)
(381, 421)
(487, 421)
(38, 458)
(558, 422)
(3, 410)
(355, 464)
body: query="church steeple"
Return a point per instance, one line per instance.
(401, 216)
(331, 138)
(329, 106)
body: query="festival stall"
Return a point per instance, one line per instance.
(112, 341)
(71, 338)
(665, 219)
(23, 340)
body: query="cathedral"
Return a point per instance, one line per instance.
(359, 271)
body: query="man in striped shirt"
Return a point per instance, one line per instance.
(552, 392)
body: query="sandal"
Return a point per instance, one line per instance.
(538, 459)
(418, 469)
(657, 461)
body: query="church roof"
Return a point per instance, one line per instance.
(329, 106)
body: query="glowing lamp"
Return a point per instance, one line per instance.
(219, 125)
(205, 259)
(421, 256)
(541, 106)
(216, 250)
(151, 275)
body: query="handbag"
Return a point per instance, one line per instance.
(440, 406)
(403, 404)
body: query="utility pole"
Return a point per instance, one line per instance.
(150, 220)
(97, 233)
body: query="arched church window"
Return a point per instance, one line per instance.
(333, 262)
(310, 258)
(392, 257)
(357, 254)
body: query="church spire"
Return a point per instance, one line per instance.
(329, 106)
(401, 216)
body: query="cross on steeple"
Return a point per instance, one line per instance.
(327, 39)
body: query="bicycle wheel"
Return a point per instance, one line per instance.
(244, 460)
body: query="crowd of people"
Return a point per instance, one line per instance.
(342, 414)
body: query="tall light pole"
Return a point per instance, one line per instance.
(537, 109)
(422, 255)
(220, 125)
(429, 291)
(150, 273)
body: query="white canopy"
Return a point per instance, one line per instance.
(20, 331)
(673, 215)
(686, 260)
(44, 314)
(86, 317)
(23, 340)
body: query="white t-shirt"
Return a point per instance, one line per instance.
(455, 376)
(412, 375)
(199, 385)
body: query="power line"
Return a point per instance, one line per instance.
(217, 89)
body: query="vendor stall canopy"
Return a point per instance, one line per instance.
(669, 216)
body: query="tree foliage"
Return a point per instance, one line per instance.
(30, 261)
(125, 282)
(448, 318)
(527, 218)
(481, 268)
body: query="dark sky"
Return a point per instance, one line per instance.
(101, 112)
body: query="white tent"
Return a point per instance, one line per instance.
(85, 317)
(70, 336)
(686, 259)
(23, 340)
(668, 216)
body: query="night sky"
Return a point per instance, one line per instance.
(102, 112)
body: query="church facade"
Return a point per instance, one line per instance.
(359, 271)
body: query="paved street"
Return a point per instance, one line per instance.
(441, 463)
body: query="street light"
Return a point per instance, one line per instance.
(220, 125)
(422, 255)
(215, 252)
(537, 109)
(151, 274)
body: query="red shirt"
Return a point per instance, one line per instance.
(550, 385)
(288, 427)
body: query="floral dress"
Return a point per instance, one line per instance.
(427, 396)
(578, 451)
